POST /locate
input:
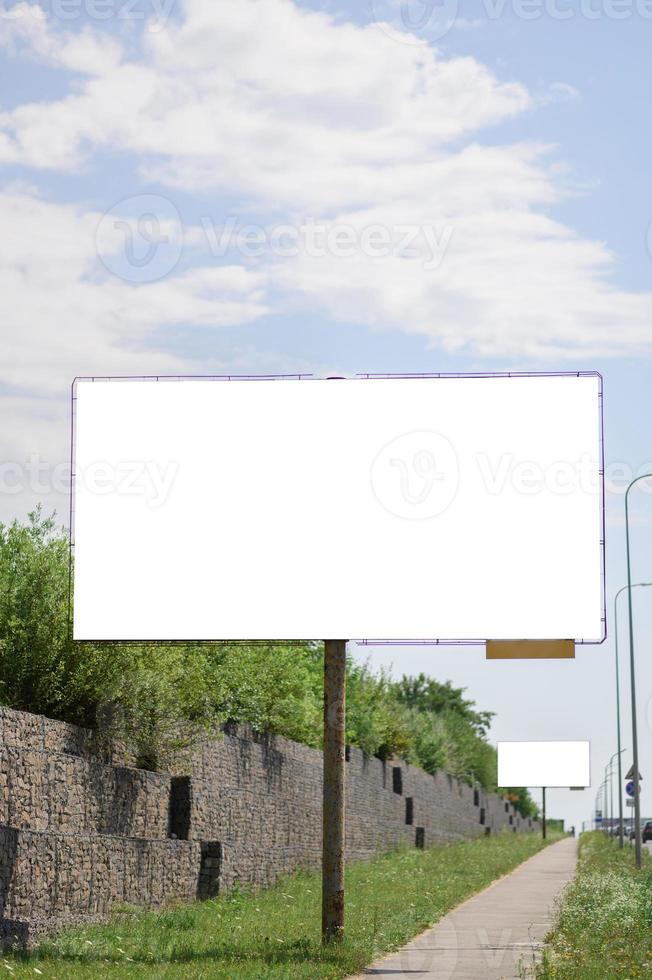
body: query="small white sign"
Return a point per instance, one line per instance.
(549, 764)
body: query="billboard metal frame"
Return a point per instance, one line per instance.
(359, 376)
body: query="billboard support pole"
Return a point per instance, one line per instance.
(332, 921)
(543, 823)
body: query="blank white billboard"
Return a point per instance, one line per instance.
(450, 508)
(554, 764)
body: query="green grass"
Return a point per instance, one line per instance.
(604, 928)
(275, 934)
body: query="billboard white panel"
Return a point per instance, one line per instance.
(553, 764)
(396, 508)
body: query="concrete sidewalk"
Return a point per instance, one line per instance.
(487, 936)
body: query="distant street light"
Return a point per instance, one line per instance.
(610, 767)
(598, 805)
(637, 781)
(609, 792)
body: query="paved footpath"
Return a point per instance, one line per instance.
(487, 936)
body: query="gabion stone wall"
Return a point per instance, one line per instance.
(42, 790)
(50, 878)
(261, 797)
(81, 831)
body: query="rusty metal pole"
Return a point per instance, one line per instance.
(332, 915)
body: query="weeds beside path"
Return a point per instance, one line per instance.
(604, 928)
(274, 935)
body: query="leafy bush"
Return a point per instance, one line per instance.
(157, 699)
(161, 697)
(39, 668)
(276, 687)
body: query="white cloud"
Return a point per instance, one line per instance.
(64, 314)
(260, 97)
(296, 116)
(26, 28)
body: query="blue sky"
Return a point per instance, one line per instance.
(515, 151)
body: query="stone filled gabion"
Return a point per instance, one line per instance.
(80, 830)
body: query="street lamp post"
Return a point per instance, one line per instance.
(637, 781)
(625, 588)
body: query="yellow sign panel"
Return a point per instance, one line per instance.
(530, 649)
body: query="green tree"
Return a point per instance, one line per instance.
(158, 699)
(426, 694)
(522, 800)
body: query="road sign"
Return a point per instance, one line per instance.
(630, 802)
(630, 774)
(629, 789)
(550, 764)
(459, 502)
(598, 816)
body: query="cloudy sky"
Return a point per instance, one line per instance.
(264, 186)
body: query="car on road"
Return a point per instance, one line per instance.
(646, 831)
